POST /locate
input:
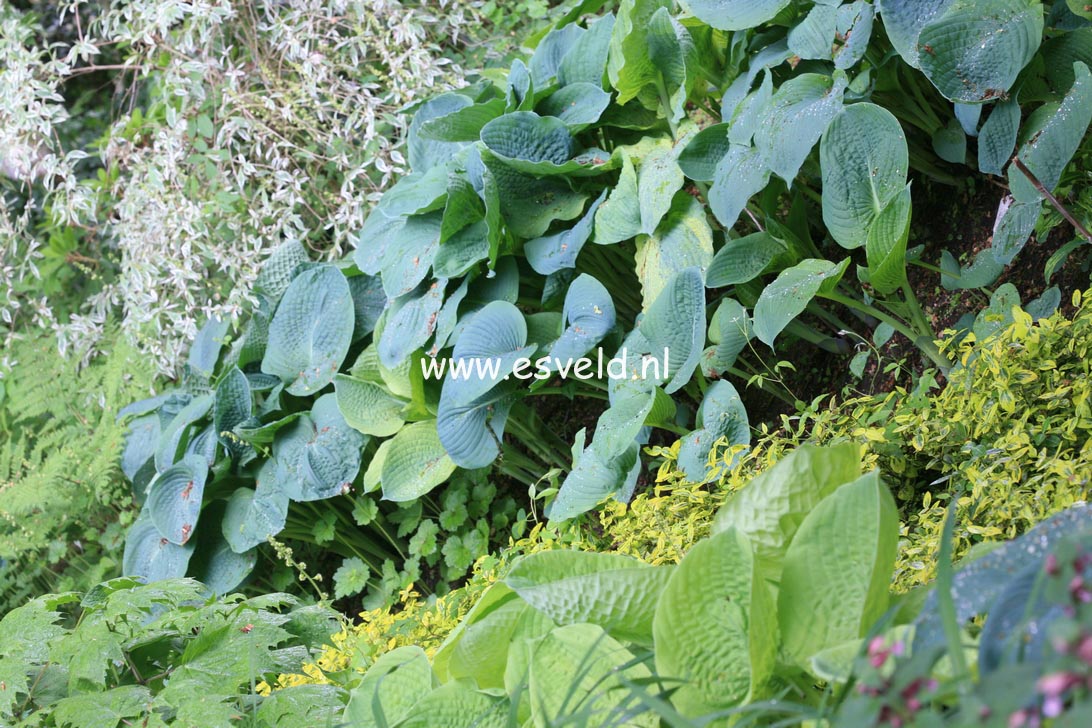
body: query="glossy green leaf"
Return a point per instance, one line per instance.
(415, 462)
(886, 245)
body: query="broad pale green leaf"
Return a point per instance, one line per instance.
(411, 323)
(797, 116)
(1052, 143)
(751, 112)
(524, 136)
(425, 154)
(462, 251)
(886, 246)
(529, 204)
(813, 37)
(495, 596)
(579, 105)
(772, 55)
(658, 179)
(414, 194)
(586, 61)
(682, 240)
(233, 405)
(743, 259)
(482, 651)
(715, 627)
(772, 506)
(486, 352)
(457, 706)
(787, 297)
(739, 175)
(629, 67)
(552, 51)
(698, 160)
(619, 425)
(406, 262)
(588, 316)
(997, 138)
(471, 433)
(722, 415)
(390, 688)
(613, 591)
(676, 323)
(174, 498)
(837, 571)
(264, 434)
(974, 51)
(462, 125)
(464, 207)
(205, 350)
(319, 453)
(368, 407)
(278, 269)
(619, 217)
(252, 516)
(311, 331)
(552, 253)
(415, 462)
(151, 556)
(865, 160)
(671, 50)
(735, 14)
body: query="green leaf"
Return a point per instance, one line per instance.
(593, 478)
(751, 112)
(886, 246)
(743, 259)
(864, 159)
(233, 405)
(424, 154)
(950, 143)
(698, 159)
(739, 175)
(579, 105)
(221, 569)
(618, 218)
(151, 556)
(588, 315)
(855, 26)
(997, 138)
(671, 49)
(464, 207)
(278, 269)
(730, 330)
(577, 669)
(551, 52)
(682, 240)
(796, 117)
(529, 204)
(904, 19)
(471, 433)
(174, 498)
(772, 506)
(173, 432)
(715, 627)
(390, 688)
(675, 323)
(629, 66)
(613, 591)
(462, 125)
(103, 709)
(410, 323)
(722, 415)
(837, 571)
(482, 658)
(252, 516)
(351, 577)
(311, 331)
(456, 706)
(555, 252)
(319, 454)
(735, 14)
(368, 407)
(205, 350)
(586, 61)
(787, 297)
(813, 37)
(524, 136)
(487, 351)
(415, 462)
(658, 179)
(979, 47)
(1014, 224)
(406, 261)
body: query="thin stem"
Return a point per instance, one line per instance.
(1081, 229)
(928, 346)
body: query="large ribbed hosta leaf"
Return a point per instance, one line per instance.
(735, 14)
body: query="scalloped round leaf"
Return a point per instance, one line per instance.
(974, 51)
(367, 407)
(252, 516)
(152, 557)
(524, 136)
(486, 351)
(715, 627)
(864, 159)
(743, 259)
(796, 117)
(311, 331)
(735, 14)
(455, 705)
(788, 296)
(886, 246)
(414, 463)
(174, 498)
(676, 323)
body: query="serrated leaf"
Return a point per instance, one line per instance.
(101, 709)
(788, 296)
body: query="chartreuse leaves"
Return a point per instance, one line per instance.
(715, 627)
(837, 570)
(390, 688)
(415, 463)
(368, 407)
(311, 331)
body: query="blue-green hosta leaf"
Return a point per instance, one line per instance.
(974, 51)
(233, 405)
(813, 37)
(586, 61)
(448, 318)
(588, 316)
(721, 415)
(739, 175)
(864, 159)
(140, 444)
(411, 323)
(950, 143)
(391, 687)
(670, 48)
(1014, 224)
(520, 95)
(698, 160)
(904, 19)
(618, 218)
(414, 463)
(205, 350)
(772, 55)
(528, 204)
(319, 452)
(579, 667)
(968, 116)
(743, 259)
(425, 154)
(579, 105)
(278, 269)
(629, 67)
(772, 506)
(258, 434)
(368, 407)
(998, 315)
(593, 478)
(471, 434)
(997, 138)
(837, 571)
(735, 14)
(676, 323)
(172, 433)
(311, 331)
(854, 29)
(524, 136)
(682, 240)
(551, 253)
(886, 245)
(730, 331)
(369, 301)
(612, 591)
(462, 125)
(252, 516)
(152, 557)
(751, 112)
(464, 206)
(464, 250)
(715, 628)
(658, 179)
(1079, 8)
(552, 51)
(618, 426)
(455, 705)
(408, 259)
(1052, 143)
(797, 116)
(415, 194)
(174, 498)
(487, 350)
(223, 570)
(788, 296)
